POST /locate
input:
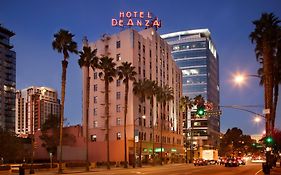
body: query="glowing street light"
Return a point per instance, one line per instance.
(257, 119)
(240, 78)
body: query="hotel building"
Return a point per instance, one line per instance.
(195, 54)
(7, 80)
(33, 107)
(151, 57)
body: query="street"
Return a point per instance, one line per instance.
(171, 169)
(249, 169)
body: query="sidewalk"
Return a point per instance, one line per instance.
(81, 170)
(276, 171)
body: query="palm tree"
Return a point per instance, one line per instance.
(107, 74)
(63, 43)
(151, 92)
(127, 73)
(264, 35)
(185, 105)
(87, 58)
(164, 95)
(139, 89)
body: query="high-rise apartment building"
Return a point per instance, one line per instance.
(151, 57)
(7, 80)
(33, 107)
(195, 54)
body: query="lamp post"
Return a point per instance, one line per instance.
(239, 78)
(140, 119)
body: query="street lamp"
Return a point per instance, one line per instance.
(140, 119)
(267, 107)
(240, 78)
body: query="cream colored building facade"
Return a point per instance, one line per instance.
(151, 57)
(33, 107)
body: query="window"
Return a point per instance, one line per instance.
(118, 121)
(118, 136)
(118, 44)
(118, 95)
(118, 108)
(95, 75)
(139, 45)
(94, 138)
(95, 99)
(95, 111)
(118, 57)
(95, 124)
(118, 82)
(95, 87)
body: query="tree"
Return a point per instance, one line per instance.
(126, 73)
(107, 74)
(234, 143)
(140, 90)
(50, 135)
(164, 95)
(63, 43)
(185, 106)
(150, 93)
(11, 148)
(87, 58)
(266, 40)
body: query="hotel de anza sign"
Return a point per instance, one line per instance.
(136, 18)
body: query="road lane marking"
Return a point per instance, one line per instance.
(258, 172)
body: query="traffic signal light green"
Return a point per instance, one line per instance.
(200, 111)
(269, 140)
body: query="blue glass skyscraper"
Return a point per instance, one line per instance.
(196, 55)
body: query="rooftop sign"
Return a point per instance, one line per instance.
(135, 18)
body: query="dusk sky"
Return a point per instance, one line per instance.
(229, 21)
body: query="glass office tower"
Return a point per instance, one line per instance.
(196, 55)
(7, 80)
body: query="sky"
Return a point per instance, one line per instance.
(229, 21)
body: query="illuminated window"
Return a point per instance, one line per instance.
(118, 108)
(95, 124)
(118, 136)
(94, 138)
(118, 57)
(95, 111)
(95, 99)
(118, 121)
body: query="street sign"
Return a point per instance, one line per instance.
(266, 111)
(214, 113)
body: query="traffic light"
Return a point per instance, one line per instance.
(269, 140)
(254, 144)
(200, 111)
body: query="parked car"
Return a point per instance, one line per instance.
(200, 162)
(231, 162)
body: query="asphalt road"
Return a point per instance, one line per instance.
(249, 169)
(171, 169)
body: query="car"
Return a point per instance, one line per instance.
(200, 162)
(231, 162)
(241, 161)
(212, 162)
